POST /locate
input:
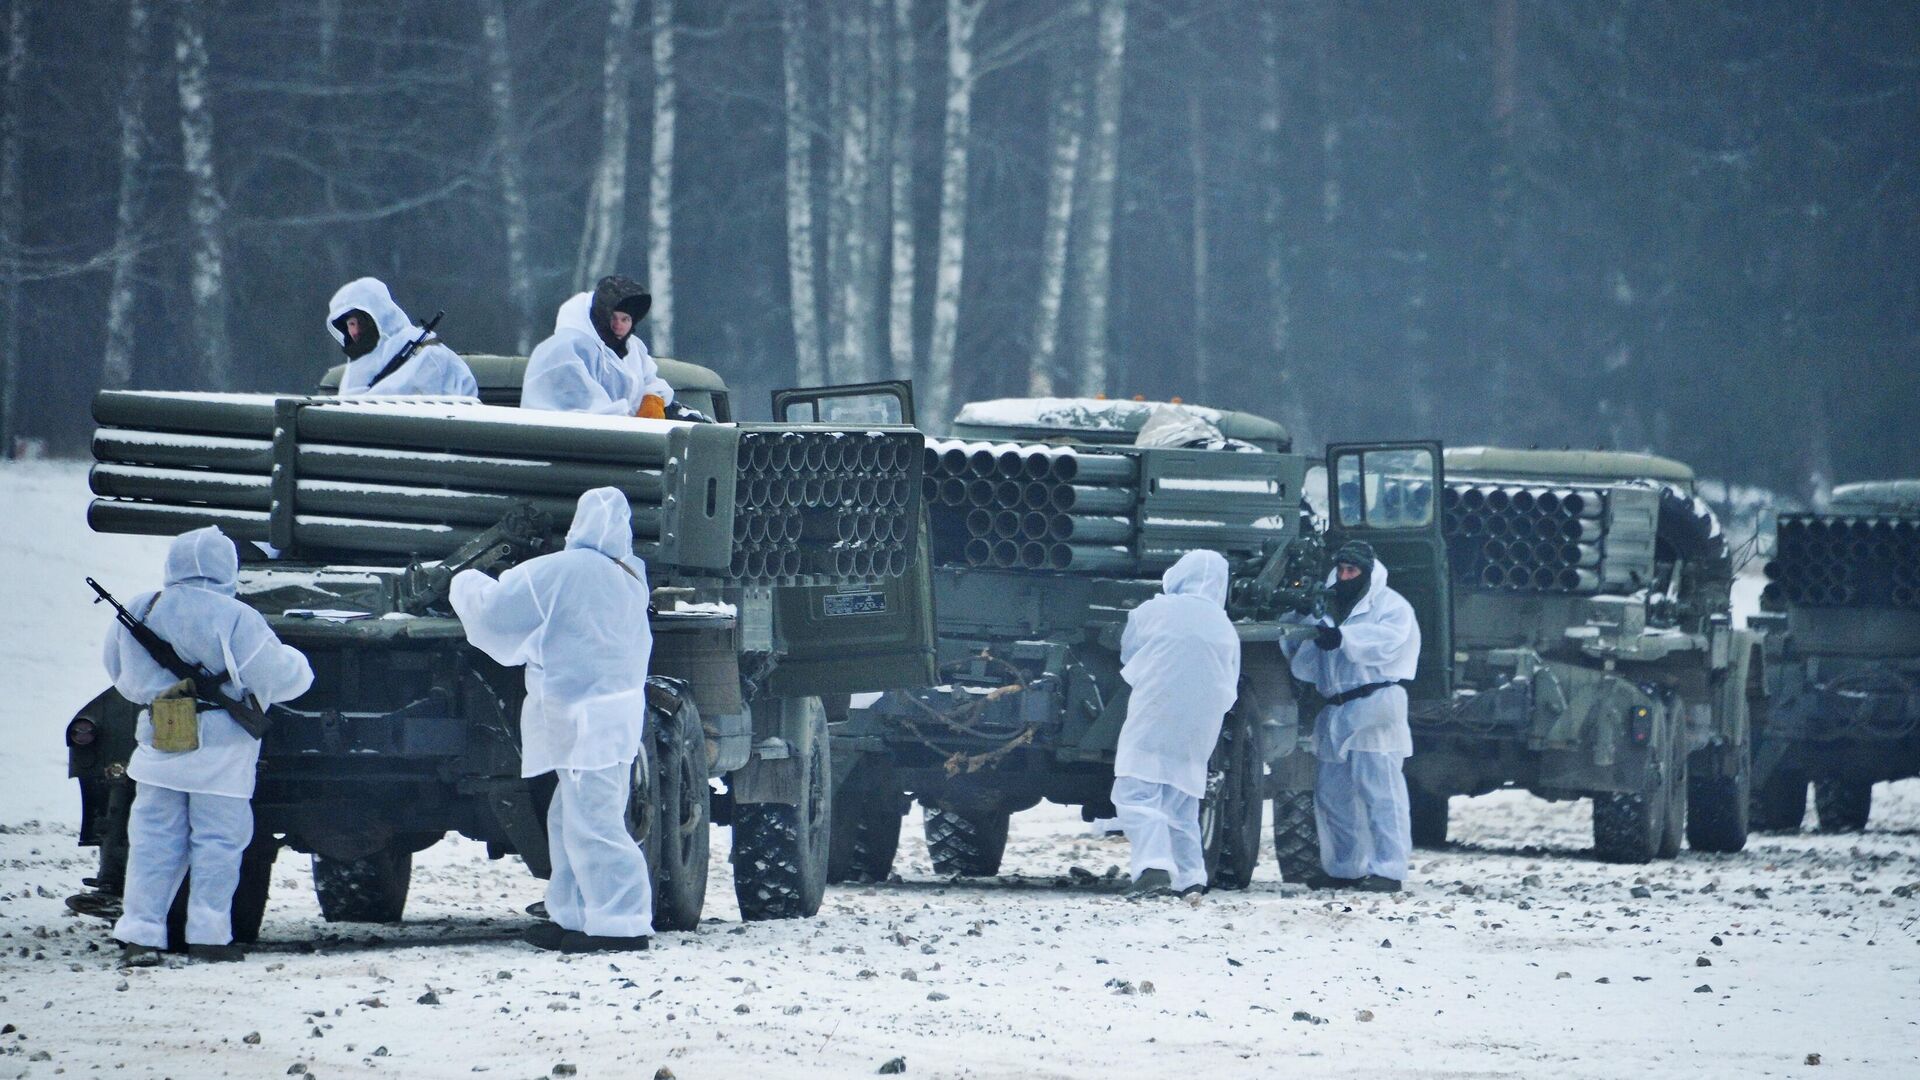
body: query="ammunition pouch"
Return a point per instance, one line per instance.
(176, 718)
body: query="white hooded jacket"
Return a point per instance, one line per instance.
(575, 371)
(578, 620)
(197, 614)
(1379, 642)
(1181, 656)
(432, 369)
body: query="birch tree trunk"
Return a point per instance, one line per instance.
(12, 131)
(506, 152)
(1068, 117)
(1095, 279)
(900, 196)
(832, 200)
(809, 370)
(1272, 106)
(1197, 160)
(962, 17)
(129, 208)
(607, 202)
(208, 277)
(874, 192)
(660, 182)
(851, 276)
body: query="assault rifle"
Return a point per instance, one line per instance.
(406, 352)
(206, 684)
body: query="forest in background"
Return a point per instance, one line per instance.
(1680, 226)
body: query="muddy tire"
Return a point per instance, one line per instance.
(1230, 815)
(1719, 808)
(867, 809)
(1843, 805)
(779, 851)
(969, 843)
(1429, 817)
(1673, 833)
(372, 889)
(1296, 836)
(668, 813)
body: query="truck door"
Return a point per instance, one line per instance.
(876, 635)
(1388, 494)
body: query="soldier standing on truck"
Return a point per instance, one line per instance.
(1181, 656)
(595, 362)
(194, 765)
(1367, 646)
(374, 332)
(578, 620)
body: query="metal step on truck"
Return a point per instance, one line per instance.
(1842, 614)
(787, 562)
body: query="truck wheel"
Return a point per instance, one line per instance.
(1631, 827)
(1429, 817)
(1779, 802)
(1230, 815)
(1843, 805)
(1719, 808)
(1296, 836)
(969, 843)
(372, 889)
(867, 808)
(674, 829)
(780, 851)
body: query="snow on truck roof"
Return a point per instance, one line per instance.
(1101, 420)
(1500, 462)
(1880, 496)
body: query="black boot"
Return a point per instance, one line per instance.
(216, 954)
(132, 955)
(1154, 882)
(1376, 883)
(544, 935)
(1324, 880)
(576, 942)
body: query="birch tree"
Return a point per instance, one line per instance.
(607, 201)
(12, 245)
(205, 209)
(1095, 279)
(507, 162)
(1274, 208)
(660, 182)
(1197, 162)
(900, 196)
(851, 271)
(809, 368)
(117, 364)
(1067, 117)
(962, 17)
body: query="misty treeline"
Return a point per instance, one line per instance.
(1687, 226)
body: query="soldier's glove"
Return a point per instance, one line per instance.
(677, 411)
(652, 407)
(1328, 638)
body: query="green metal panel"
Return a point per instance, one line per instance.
(1501, 462)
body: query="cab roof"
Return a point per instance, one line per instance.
(1880, 496)
(1499, 462)
(500, 377)
(1100, 420)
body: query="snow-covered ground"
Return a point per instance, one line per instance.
(1514, 955)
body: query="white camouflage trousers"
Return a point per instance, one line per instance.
(1163, 825)
(600, 884)
(168, 833)
(1360, 805)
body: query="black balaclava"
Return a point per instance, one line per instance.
(369, 335)
(615, 293)
(1348, 593)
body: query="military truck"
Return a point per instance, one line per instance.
(787, 562)
(1048, 525)
(1842, 614)
(1593, 651)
